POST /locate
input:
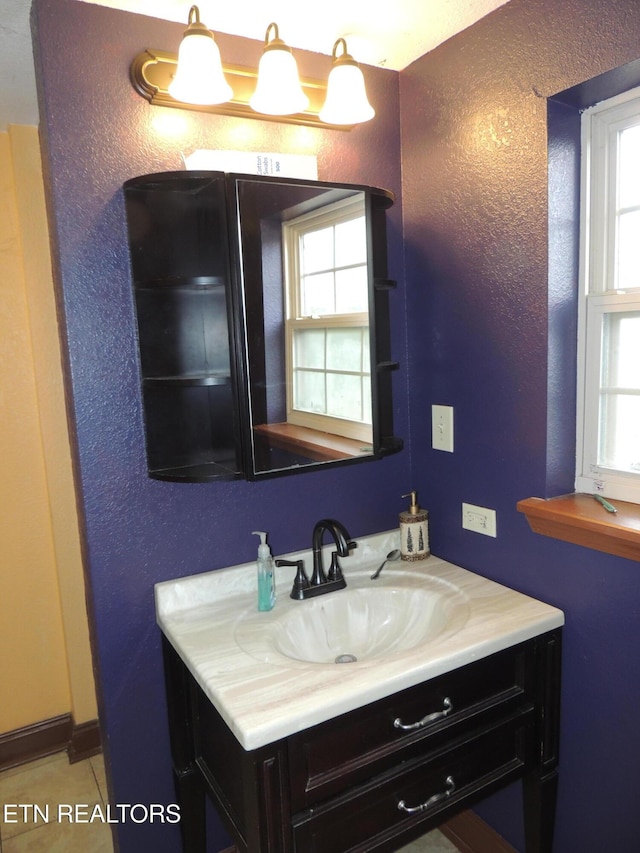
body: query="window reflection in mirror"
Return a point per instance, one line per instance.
(306, 286)
(328, 366)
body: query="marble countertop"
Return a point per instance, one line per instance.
(262, 702)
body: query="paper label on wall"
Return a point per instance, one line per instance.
(254, 163)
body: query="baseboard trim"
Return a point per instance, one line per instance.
(47, 737)
(84, 742)
(35, 741)
(471, 834)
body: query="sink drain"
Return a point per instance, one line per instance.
(346, 659)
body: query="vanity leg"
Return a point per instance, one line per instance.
(191, 799)
(188, 783)
(539, 795)
(540, 785)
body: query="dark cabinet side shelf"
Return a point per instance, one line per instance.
(197, 379)
(198, 282)
(205, 472)
(179, 252)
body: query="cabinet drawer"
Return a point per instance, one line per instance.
(350, 749)
(370, 818)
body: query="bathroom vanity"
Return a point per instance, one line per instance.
(304, 755)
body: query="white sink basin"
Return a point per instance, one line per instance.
(239, 660)
(366, 622)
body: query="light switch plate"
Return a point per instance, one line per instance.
(442, 428)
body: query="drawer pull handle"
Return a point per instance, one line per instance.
(436, 798)
(447, 707)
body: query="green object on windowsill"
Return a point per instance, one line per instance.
(605, 503)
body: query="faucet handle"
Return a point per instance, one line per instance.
(335, 572)
(301, 582)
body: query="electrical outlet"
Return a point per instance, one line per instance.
(479, 519)
(442, 428)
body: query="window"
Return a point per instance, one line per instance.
(327, 326)
(609, 323)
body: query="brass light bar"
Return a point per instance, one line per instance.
(152, 71)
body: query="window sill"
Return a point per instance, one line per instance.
(319, 446)
(583, 521)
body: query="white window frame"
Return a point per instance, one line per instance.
(598, 296)
(341, 211)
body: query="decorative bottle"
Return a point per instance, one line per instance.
(414, 531)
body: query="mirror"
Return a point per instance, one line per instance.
(312, 292)
(263, 324)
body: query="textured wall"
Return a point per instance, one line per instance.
(489, 336)
(97, 132)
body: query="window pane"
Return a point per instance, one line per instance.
(309, 348)
(351, 291)
(621, 350)
(344, 349)
(628, 251)
(318, 296)
(317, 250)
(619, 433)
(351, 242)
(309, 392)
(629, 167)
(345, 395)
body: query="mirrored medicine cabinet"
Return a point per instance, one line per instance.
(263, 324)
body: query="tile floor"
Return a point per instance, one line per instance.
(52, 781)
(433, 842)
(49, 782)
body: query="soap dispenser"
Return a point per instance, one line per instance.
(266, 577)
(414, 531)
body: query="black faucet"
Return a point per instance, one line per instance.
(340, 537)
(320, 582)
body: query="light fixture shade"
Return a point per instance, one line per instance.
(199, 78)
(278, 91)
(346, 101)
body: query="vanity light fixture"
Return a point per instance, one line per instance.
(199, 78)
(347, 101)
(278, 92)
(196, 79)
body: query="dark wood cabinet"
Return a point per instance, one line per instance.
(382, 775)
(209, 263)
(182, 285)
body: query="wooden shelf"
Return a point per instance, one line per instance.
(579, 519)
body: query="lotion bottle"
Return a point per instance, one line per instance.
(414, 531)
(266, 578)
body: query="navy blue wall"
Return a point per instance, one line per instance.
(96, 133)
(491, 330)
